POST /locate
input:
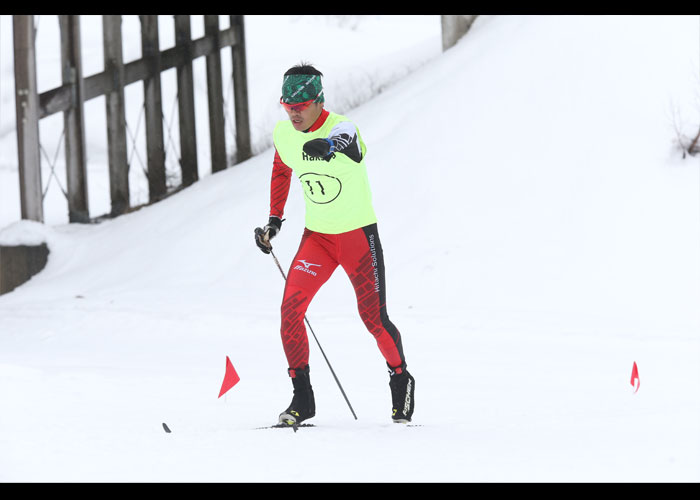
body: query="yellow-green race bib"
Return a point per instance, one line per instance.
(337, 192)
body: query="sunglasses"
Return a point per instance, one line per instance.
(299, 106)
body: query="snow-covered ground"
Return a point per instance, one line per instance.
(541, 232)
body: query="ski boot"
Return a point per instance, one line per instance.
(402, 387)
(303, 405)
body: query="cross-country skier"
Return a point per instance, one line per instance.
(327, 154)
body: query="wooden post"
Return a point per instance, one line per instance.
(215, 93)
(74, 120)
(27, 117)
(240, 90)
(155, 149)
(185, 100)
(454, 27)
(116, 115)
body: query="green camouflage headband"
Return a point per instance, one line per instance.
(302, 88)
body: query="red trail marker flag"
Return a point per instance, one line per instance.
(635, 377)
(231, 378)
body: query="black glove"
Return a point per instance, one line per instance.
(265, 234)
(320, 148)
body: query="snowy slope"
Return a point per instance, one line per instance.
(541, 233)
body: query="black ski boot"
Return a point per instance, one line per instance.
(302, 406)
(402, 394)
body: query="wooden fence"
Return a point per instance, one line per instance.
(76, 89)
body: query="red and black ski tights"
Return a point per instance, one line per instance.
(359, 252)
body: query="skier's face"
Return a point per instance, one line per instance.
(303, 117)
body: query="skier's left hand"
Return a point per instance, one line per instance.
(265, 234)
(320, 148)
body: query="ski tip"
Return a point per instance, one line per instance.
(166, 428)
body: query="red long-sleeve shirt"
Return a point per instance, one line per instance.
(279, 186)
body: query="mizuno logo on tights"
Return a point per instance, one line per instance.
(306, 267)
(307, 264)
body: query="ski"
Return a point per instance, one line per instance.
(282, 425)
(296, 426)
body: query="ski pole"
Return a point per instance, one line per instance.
(317, 342)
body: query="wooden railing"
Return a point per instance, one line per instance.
(76, 89)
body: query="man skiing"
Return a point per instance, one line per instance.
(326, 153)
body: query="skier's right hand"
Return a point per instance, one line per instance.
(320, 148)
(265, 234)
